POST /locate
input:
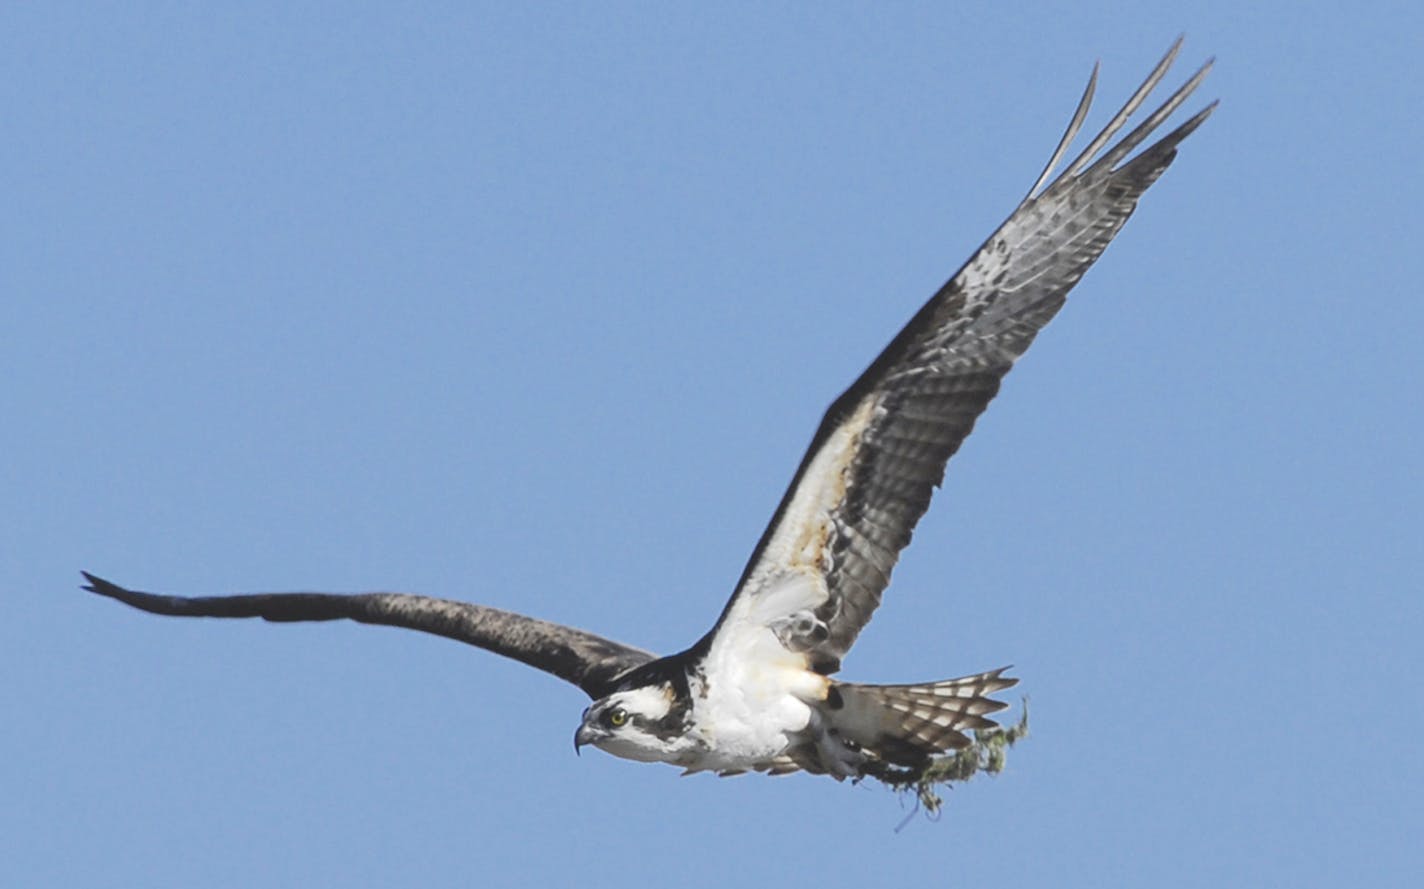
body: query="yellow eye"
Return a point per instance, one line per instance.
(617, 717)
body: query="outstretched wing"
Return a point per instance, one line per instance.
(588, 661)
(818, 572)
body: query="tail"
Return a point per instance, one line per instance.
(907, 724)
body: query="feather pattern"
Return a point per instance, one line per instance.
(906, 724)
(883, 445)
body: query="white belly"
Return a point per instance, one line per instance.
(756, 695)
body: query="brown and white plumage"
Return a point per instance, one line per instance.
(755, 692)
(882, 447)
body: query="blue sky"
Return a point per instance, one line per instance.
(539, 308)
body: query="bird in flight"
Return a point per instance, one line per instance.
(756, 692)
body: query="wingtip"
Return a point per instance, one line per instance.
(1187, 128)
(1170, 57)
(101, 586)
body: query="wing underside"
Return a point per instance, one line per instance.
(882, 447)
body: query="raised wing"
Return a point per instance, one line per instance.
(588, 661)
(818, 572)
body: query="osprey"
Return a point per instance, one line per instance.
(756, 693)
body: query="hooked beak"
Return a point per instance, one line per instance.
(586, 734)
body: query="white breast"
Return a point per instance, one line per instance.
(755, 693)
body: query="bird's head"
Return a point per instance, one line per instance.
(636, 723)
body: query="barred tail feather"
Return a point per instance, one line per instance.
(907, 724)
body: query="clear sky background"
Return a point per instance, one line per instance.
(539, 309)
